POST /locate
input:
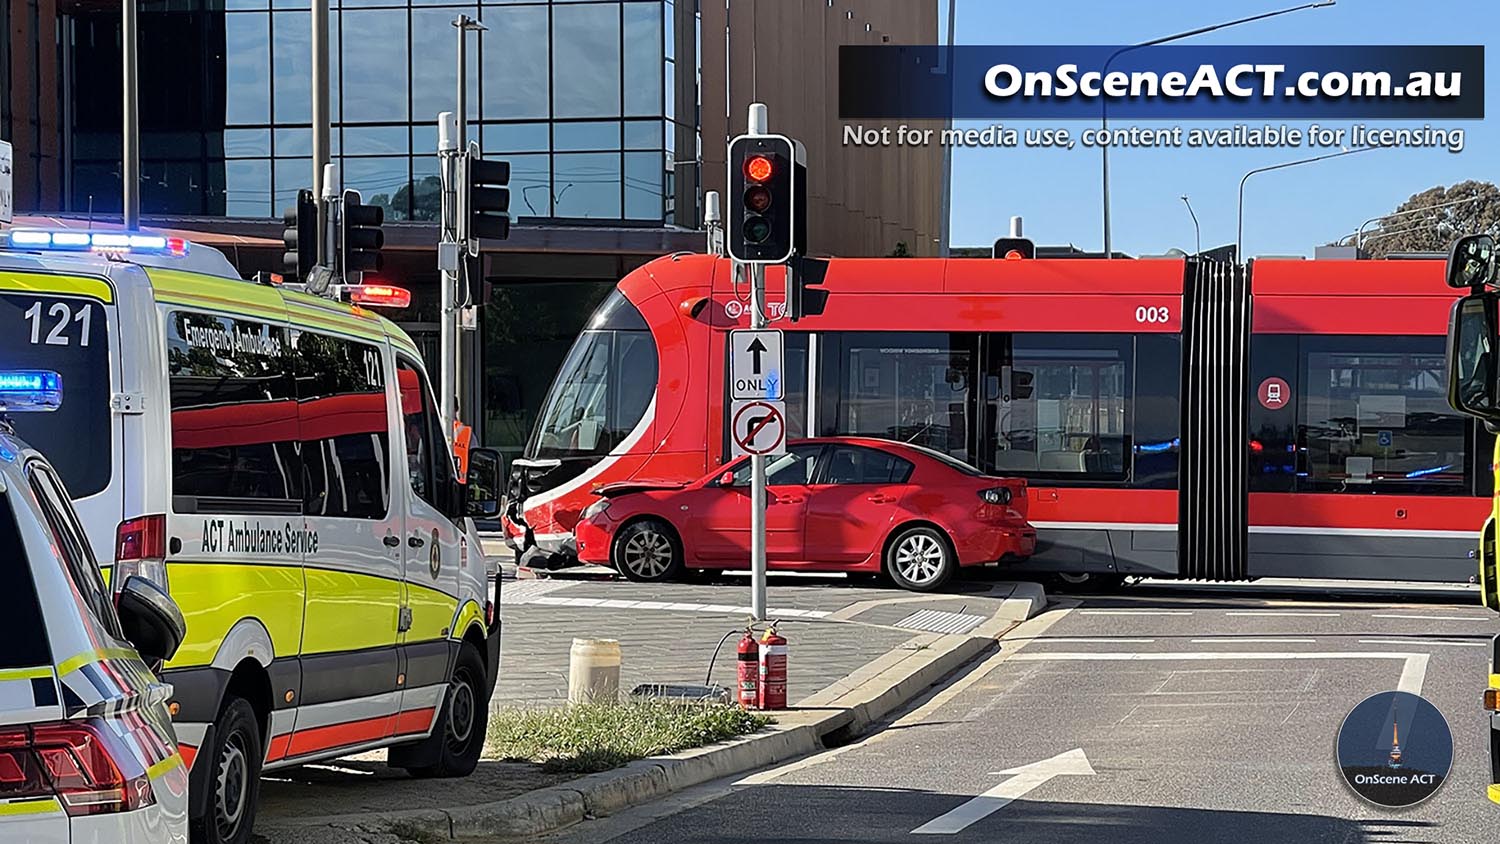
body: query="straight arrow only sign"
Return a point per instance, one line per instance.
(1022, 781)
(755, 359)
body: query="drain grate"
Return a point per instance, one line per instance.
(937, 621)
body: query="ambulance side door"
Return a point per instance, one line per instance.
(431, 545)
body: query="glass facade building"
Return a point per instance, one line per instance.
(580, 95)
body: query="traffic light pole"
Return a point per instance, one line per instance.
(758, 468)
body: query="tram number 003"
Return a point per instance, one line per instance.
(1146, 313)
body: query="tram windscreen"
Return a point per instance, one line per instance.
(600, 394)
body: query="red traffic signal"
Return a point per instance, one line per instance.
(758, 168)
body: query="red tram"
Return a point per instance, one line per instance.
(1173, 417)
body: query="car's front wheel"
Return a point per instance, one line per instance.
(647, 551)
(920, 559)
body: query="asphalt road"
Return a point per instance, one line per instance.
(1161, 715)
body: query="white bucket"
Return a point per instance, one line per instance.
(594, 671)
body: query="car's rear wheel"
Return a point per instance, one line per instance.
(920, 559)
(647, 551)
(234, 758)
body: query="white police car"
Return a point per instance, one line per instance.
(87, 751)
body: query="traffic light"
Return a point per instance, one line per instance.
(486, 199)
(768, 199)
(805, 293)
(360, 236)
(1014, 248)
(300, 236)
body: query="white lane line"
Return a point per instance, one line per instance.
(1424, 642)
(1135, 612)
(1286, 614)
(614, 603)
(1236, 639)
(1046, 640)
(1434, 617)
(1413, 671)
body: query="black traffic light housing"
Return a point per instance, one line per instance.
(360, 236)
(486, 201)
(805, 294)
(1018, 247)
(767, 219)
(300, 237)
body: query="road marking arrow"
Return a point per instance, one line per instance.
(1022, 780)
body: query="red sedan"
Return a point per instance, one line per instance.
(835, 504)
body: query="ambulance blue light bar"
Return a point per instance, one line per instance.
(87, 241)
(24, 390)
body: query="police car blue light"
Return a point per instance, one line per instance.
(76, 241)
(30, 389)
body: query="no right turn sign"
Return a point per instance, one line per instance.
(758, 427)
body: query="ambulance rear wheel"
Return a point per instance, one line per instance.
(233, 758)
(464, 719)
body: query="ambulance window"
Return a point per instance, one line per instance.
(72, 543)
(345, 433)
(21, 625)
(423, 433)
(234, 416)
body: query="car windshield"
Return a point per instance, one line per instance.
(67, 335)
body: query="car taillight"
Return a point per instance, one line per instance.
(996, 495)
(141, 548)
(79, 762)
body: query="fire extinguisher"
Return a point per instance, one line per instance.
(773, 655)
(747, 675)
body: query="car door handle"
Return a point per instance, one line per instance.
(788, 499)
(880, 499)
(415, 541)
(391, 540)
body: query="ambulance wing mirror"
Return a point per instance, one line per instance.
(484, 483)
(1472, 261)
(151, 620)
(1473, 380)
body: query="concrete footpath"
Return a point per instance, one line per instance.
(857, 654)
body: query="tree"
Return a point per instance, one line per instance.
(425, 196)
(1438, 216)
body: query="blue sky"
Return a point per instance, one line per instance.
(1287, 212)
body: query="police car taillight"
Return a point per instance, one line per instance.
(90, 241)
(24, 390)
(141, 548)
(84, 764)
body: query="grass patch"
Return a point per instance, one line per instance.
(596, 737)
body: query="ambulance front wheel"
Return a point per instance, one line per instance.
(463, 721)
(233, 757)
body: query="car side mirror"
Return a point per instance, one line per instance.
(726, 480)
(484, 482)
(1471, 261)
(151, 620)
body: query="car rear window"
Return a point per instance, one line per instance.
(21, 626)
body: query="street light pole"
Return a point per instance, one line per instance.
(1239, 236)
(1104, 108)
(130, 147)
(1359, 232)
(1197, 232)
(320, 119)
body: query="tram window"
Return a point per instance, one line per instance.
(600, 395)
(234, 416)
(1378, 420)
(909, 386)
(1062, 406)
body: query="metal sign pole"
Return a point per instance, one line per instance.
(758, 468)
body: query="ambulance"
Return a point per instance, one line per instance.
(274, 460)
